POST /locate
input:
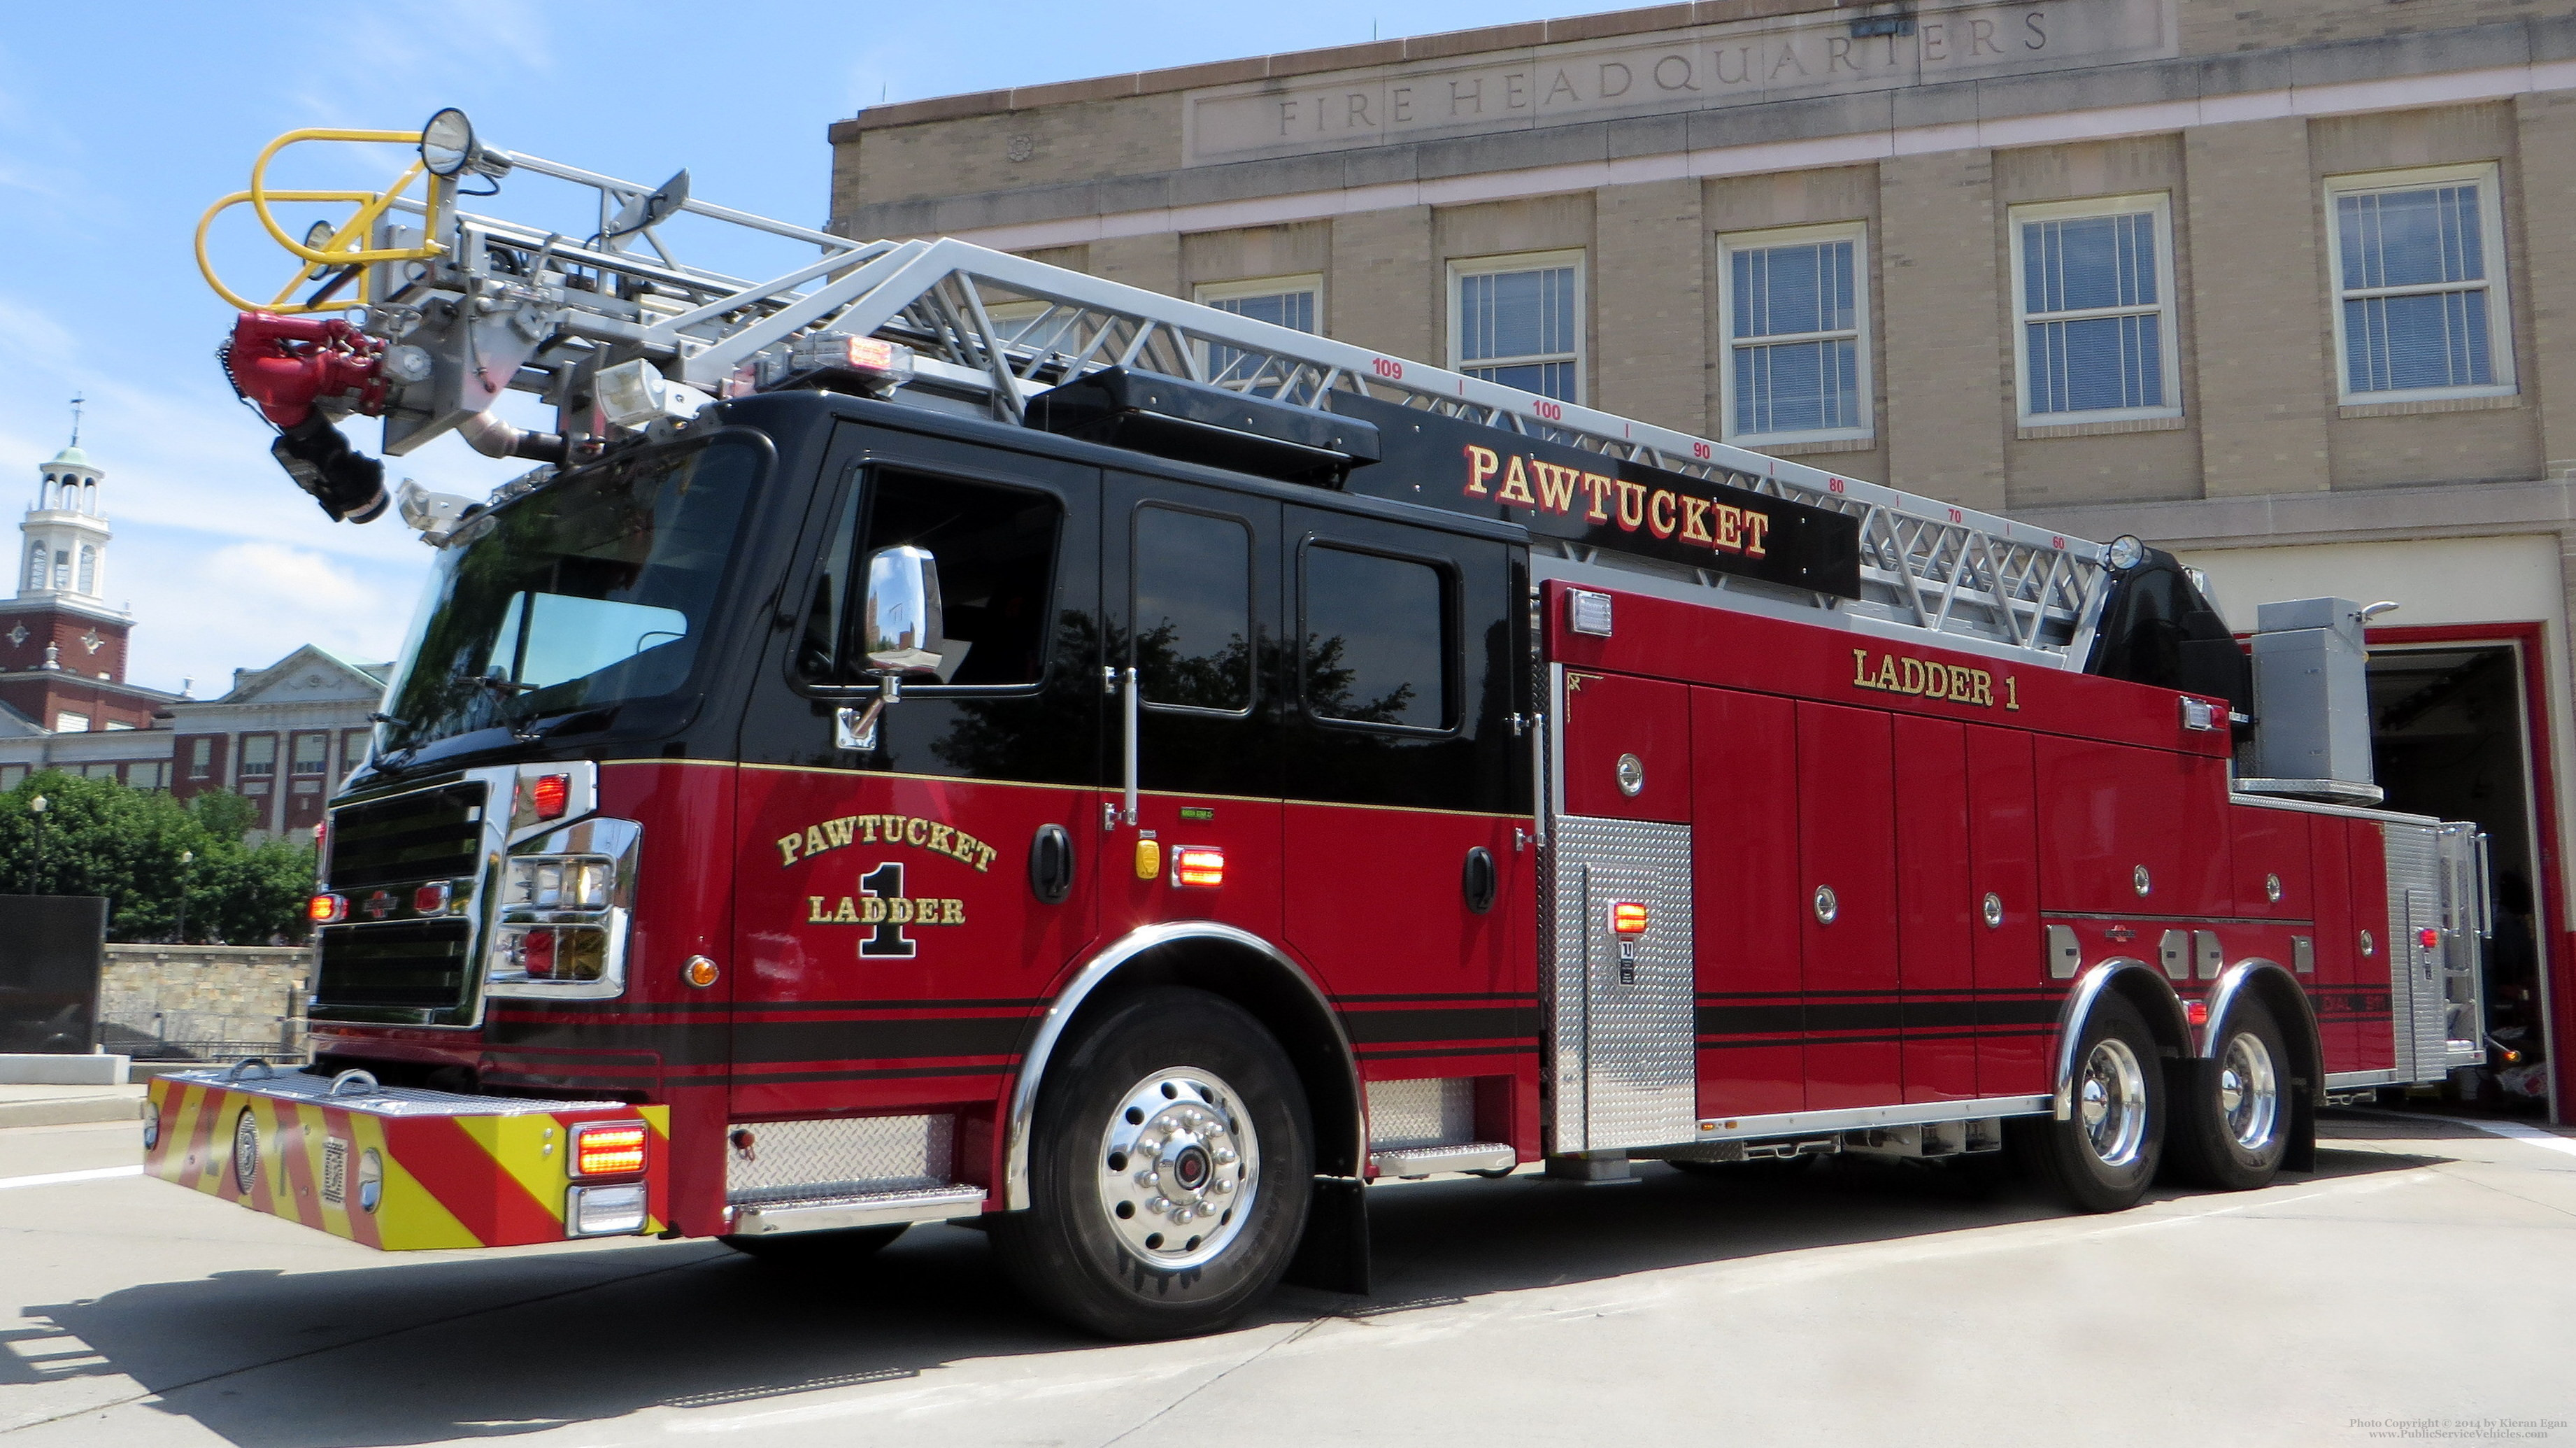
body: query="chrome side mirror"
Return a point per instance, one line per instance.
(898, 620)
(901, 617)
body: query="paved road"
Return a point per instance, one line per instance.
(2426, 1274)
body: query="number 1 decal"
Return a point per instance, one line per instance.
(885, 882)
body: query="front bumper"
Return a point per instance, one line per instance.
(400, 1168)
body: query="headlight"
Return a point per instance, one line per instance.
(559, 882)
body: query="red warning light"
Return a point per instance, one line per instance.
(2429, 938)
(1628, 917)
(550, 794)
(1202, 865)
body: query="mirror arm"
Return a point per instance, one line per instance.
(857, 729)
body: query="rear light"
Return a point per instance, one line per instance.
(612, 1148)
(1627, 917)
(550, 794)
(430, 899)
(1201, 865)
(2429, 938)
(2196, 1012)
(616, 1211)
(328, 909)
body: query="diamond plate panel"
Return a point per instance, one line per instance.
(2414, 973)
(1622, 1028)
(785, 1161)
(1421, 1113)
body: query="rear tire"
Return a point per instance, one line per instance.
(816, 1250)
(1170, 1170)
(2232, 1130)
(2102, 1157)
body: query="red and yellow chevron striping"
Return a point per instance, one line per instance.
(399, 1171)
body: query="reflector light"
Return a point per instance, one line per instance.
(430, 899)
(550, 794)
(1628, 917)
(1202, 865)
(2197, 1012)
(328, 909)
(1149, 859)
(2428, 937)
(537, 954)
(613, 1149)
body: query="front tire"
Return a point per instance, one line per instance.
(1170, 1169)
(2233, 1128)
(2103, 1156)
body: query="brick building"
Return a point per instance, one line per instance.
(2291, 289)
(281, 736)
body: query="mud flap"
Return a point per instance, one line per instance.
(2301, 1153)
(1334, 1256)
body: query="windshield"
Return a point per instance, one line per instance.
(586, 593)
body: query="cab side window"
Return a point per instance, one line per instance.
(1376, 639)
(1193, 613)
(996, 549)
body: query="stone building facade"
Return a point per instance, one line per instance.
(2289, 289)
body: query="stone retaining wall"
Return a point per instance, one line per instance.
(205, 1001)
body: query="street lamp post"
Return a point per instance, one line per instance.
(186, 859)
(36, 807)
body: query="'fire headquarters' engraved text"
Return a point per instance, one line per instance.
(888, 829)
(1925, 679)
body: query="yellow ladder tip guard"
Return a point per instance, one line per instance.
(342, 252)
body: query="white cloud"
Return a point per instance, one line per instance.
(238, 605)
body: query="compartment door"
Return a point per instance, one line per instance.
(1621, 1019)
(1847, 867)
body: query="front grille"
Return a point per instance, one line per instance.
(428, 834)
(421, 966)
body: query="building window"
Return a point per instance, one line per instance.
(1796, 310)
(152, 775)
(2418, 263)
(353, 749)
(88, 569)
(62, 568)
(1291, 302)
(1518, 320)
(312, 753)
(35, 566)
(98, 771)
(68, 722)
(12, 775)
(258, 755)
(2093, 294)
(201, 758)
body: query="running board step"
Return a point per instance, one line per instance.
(866, 1209)
(1421, 1161)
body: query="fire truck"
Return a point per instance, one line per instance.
(937, 737)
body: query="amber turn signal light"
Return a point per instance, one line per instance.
(326, 909)
(1628, 917)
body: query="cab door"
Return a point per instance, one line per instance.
(1190, 612)
(893, 927)
(1409, 863)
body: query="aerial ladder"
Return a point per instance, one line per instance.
(423, 313)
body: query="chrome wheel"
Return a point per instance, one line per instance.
(2249, 1091)
(2111, 1102)
(1180, 1165)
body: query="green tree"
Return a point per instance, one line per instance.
(144, 850)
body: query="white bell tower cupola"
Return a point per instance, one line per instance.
(63, 552)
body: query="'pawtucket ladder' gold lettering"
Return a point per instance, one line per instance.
(1927, 679)
(888, 829)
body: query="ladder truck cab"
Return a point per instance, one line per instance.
(939, 737)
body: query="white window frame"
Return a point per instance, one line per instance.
(1729, 243)
(1460, 268)
(2168, 314)
(2490, 182)
(1210, 293)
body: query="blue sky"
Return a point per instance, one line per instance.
(120, 123)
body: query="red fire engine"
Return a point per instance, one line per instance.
(941, 737)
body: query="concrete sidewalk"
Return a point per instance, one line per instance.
(67, 1105)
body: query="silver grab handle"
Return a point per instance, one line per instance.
(365, 1081)
(2484, 865)
(1538, 778)
(1128, 814)
(245, 1063)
